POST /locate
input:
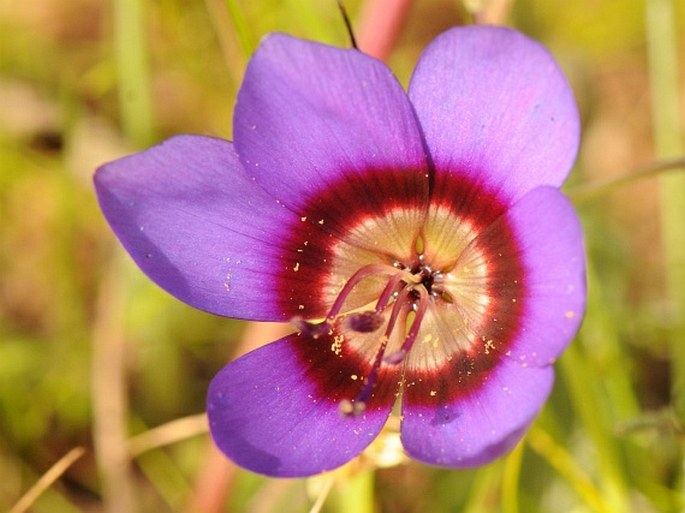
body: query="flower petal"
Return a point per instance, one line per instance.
(476, 429)
(517, 292)
(277, 410)
(199, 227)
(309, 115)
(494, 106)
(552, 259)
(481, 366)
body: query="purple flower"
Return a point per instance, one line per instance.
(419, 242)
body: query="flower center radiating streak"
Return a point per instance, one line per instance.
(408, 289)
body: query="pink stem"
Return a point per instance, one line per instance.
(380, 26)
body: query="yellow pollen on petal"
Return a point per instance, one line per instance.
(303, 218)
(336, 346)
(383, 340)
(297, 266)
(350, 408)
(570, 314)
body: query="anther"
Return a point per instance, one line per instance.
(396, 357)
(370, 381)
(365, 322)
(311, 329)
(406, 289)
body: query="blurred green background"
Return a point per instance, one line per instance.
(92, 353)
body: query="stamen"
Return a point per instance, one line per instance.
(406, 290)
(399, 303)
(390, 289)
(370, 381)
(363, 323)
(364, 272)
(420, 308)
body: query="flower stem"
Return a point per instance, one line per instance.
(510, 480)
(668, 139)
(242, 27)
(323, 494)
(486, 483)
(135, 100)
(662, 48)
(109, 389)
(380, 26)
(52, 475)
(348, 24)
(233, 34)
(355, 494)
(561, 460)
(593, 190)
(215, 478)
(108, 373)
(584, 390)
(170, 433)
